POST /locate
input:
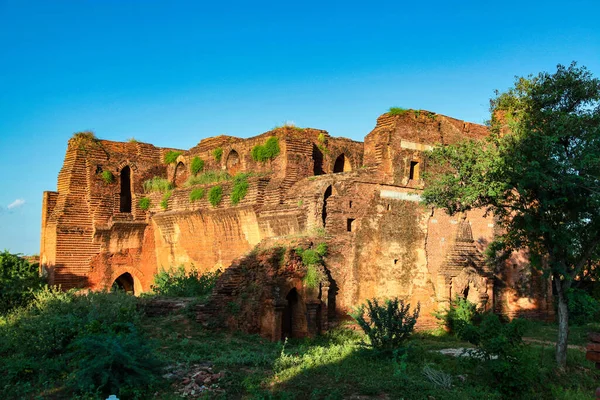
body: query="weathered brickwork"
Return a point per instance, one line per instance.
(364, 197)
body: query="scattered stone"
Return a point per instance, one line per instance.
(194, 380)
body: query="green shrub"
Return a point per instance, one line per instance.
(107, 176)
(164, 203)
(207, 177)
(171, 156)
(312, 258)
(215, 195)
(19, 280)
(397, 111)
(322, 249)
(459, 316)
(267, 151)
(157, 184)
(583, 308)
(388, 325)
(85, 135)
(197, 194)
(313, 277)
(240, 188)
(144, 203)
(197, 165)
(176, 282)
(217, 154)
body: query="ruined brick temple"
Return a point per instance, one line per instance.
(382, 241)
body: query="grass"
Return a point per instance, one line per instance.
(164, 203)
(217, 154)
(144, 203)
(85, 135)
(215, 195)
(337, 366)
(171, 156)
(197, 165)
(267, 151)
(207, 177)
(544, 331)
(157, 184)
(240, 188)
(107, 176)
(197, 194)
(397, 111)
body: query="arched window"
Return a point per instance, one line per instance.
(342, 164)
(292, 314)
(326, 196)
(124, 282)
(125, 195)
(317, 156)
(179, 176)
(233, 162)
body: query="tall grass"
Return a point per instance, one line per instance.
(157, 184)
(207, 177)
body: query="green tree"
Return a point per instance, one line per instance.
(19, 279)
(538, 173)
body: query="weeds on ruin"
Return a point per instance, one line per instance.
(215, 195)
(240, 187)
(85, 135)
(459, 316)
(177, 282)
(132, 140)
(397, 111)
(144, 203)
(313, 260)
(157, 184)
(107, 177)
(207, 177)
(197, 194)
(387, 325)
(218, 154)
(164, 203)
(170, 156)
(197, 165)
(267, 151)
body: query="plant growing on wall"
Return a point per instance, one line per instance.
(240, 188)
(171, 156)
(217, 154)
(215, 195)
(267, 151)
(164, 203)
(107, 177)
(197, 194)
(312, 259)
(157, 184)
(397, 111)
(207, 177)
(197, 165)
(144, 203)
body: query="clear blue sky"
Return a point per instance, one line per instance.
(173, 72)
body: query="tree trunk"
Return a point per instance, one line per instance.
(563, 326)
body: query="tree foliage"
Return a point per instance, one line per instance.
(538, 172)
(19, 279)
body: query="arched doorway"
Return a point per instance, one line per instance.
(292, 313)
(326, 196)
(125, 195)
(342, 164)
(233, 162)
(179, 176)
(125, 283)
(317, 157)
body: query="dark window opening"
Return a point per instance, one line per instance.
(124, 283)
(342, 164)
(389, 207)
(414, 170)
(317, 156)
(350, 204)
(350, 225)
(290, 311)
(326, 196)
(125, 195)
(466, 292)
(395, 261)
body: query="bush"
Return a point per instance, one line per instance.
(176, 282)
(207, 177)
(583, 308)
(215, 195)
(459, 316)
(240, 188)
(312, 258)
(217, 154)
(397, 111)
(157, 184)
(171, 156)
(267, 151)
(107, 177)
(144, 203)
(19, 280)
(197, 165)
(197, 194)
(164, 203)
(387, 325)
